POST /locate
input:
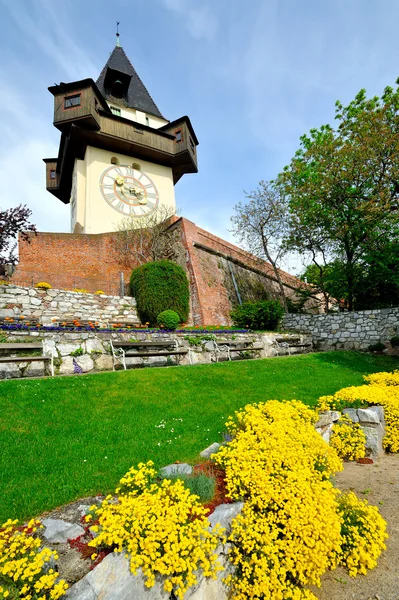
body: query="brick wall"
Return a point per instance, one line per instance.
(69, 261)
(210, 261)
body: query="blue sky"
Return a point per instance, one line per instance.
(252, 76)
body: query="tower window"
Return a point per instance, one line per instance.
(178, 135)
(192, 145)
(114, 160)
(147, 121)
(136, 166)
(115, 111)
(53, 174)
(71, 101)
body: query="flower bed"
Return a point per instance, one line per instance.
(293, 527)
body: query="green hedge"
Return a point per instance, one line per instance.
(169, 319)
(263, 315)
(158, 286)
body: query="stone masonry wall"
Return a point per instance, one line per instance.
(46, 306)
(348, 330)
(89, 351)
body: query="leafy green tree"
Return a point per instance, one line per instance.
(342, 186)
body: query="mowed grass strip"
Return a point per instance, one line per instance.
(69, 437)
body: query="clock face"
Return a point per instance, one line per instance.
(128, 191)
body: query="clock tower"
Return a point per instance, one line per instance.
(118, 156)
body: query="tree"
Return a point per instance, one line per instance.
(260, 225)
(145, 239)
(342, 185)
(376, 278)
(13, 221)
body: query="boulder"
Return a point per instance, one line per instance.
(368, 416)
(58, 531)
(374, 438)
(176, 469)
(34, 369)
(103, 362)
(212, 449)
(85, 363)
(112, 580)
(352, 414)
(224, 514)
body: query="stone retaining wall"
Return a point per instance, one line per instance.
(348, 330)
(90, 351)
(45, 305)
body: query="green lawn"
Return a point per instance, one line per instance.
(64, 438)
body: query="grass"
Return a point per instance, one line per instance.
(70, 437)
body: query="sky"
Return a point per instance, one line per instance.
(253, 76)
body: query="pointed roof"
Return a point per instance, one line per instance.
(137, 94)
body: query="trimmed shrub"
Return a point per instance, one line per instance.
(169, 319)
(159, 286)
(265, 314)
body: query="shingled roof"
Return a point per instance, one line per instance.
(137, 94)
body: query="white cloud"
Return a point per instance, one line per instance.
(51, 30)
(23, 145)
(200, 20)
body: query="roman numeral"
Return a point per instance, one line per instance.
(111, 197)
(151, 195)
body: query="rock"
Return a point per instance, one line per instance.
(224, 514)
(176, 469)
(212, 449)
(34, 369)
(380, 412)
(325, 419)
(325, 432)
(368, 416)
(209, 346)
(83, 509)
(85, 363)
(213, 589)
(103, 362)
(335, 415)
(66, 367)
(94, 345)
(352, 414)
(112, 580)
(373, 440)
(58, 531)
(66, 349)
(9, 371)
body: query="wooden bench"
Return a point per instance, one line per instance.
(232, 346)
(121, 349)
(19, 347)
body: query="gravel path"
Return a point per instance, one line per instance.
(379, 483)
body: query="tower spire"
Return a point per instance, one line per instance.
(117, 34)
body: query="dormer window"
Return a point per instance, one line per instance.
(71, 101)
(116, 84)
(178, 136)
(53, 174)
(115, 111)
